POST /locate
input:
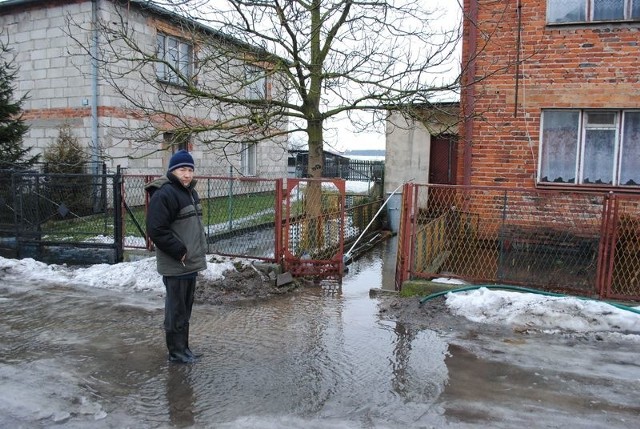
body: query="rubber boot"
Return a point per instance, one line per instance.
(176, 344)
(187, 350)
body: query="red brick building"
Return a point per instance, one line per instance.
(552, 94)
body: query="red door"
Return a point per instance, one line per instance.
(443, 159)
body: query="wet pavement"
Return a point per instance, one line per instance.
(318, 358)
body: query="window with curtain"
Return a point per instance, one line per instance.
(255, 83)
(595, 147)
(565, 11)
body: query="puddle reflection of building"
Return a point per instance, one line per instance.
(389, 256)
(180, 396)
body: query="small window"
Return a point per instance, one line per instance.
(177, 141)
(255, 83)
(608, 10)
(176, 60)
(248, 159)
(630, 150)
(566, 11)
(561, 11)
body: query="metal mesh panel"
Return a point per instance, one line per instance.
(625, 279)
(134, 200)
(240, 216)
(545, 239)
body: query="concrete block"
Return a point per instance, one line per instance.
(283, 279)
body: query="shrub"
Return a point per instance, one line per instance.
(68, 187)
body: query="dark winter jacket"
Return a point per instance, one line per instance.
(174, 223)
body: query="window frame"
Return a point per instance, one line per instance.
(175, 143)
(249, 159)
(255, 81)
(587, 11)
(620, 145)
(182, 49)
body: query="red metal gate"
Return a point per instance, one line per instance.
(313, 236)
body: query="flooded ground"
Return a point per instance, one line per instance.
(319, 357)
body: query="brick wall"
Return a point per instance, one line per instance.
(562, 66)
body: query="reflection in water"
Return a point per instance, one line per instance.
(317, 358)
(401, 353)
(180, 397)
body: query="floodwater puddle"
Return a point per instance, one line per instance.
(317, 358)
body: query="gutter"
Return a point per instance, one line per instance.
(95, 143)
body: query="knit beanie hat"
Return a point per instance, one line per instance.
(181, 158)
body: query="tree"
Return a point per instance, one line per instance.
(268, 70)
(66, 155)
(282, 67)
(12, 126)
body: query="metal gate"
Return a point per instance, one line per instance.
(313, 236)
(61, 218)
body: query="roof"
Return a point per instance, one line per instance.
(149, 7)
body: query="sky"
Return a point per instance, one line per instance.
(492, 306)
(342, 136)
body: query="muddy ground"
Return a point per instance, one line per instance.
(255, 282)
(247, 282)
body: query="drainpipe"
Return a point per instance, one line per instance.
(95, 144)
(472, 38)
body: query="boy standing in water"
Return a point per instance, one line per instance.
(174, 223)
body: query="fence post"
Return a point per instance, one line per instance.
(606, 249)
(149, 244)
(118, 209)
(405, 255)
(230, 199)
(278, 253)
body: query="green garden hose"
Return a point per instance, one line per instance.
(523, 289)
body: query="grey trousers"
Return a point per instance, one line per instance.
(178, 303)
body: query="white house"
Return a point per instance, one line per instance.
(421, 146)
(67, 55)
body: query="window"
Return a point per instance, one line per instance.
(248, 159)
(559, 11)
(177, 141)
(255, 83)
(599, 147)
(178, 60)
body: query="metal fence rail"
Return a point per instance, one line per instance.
(61, 218)
(586, 243)
(347, 169)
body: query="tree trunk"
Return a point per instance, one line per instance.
(315, 167)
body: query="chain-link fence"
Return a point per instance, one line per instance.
(553, 240)
(240, 214)
(620, 259)
(267, 220)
